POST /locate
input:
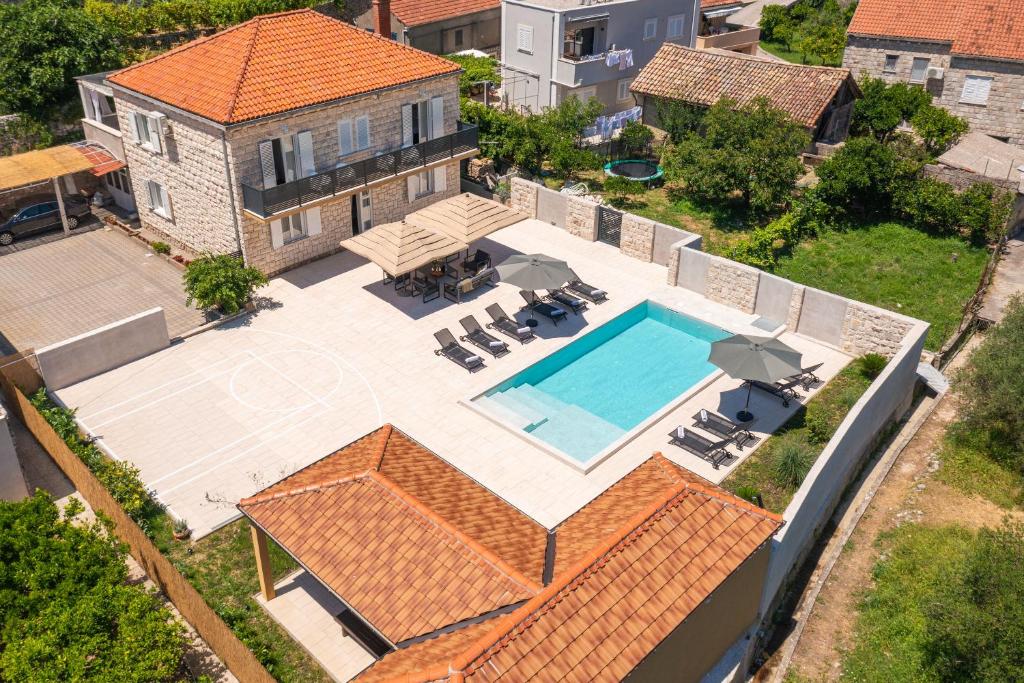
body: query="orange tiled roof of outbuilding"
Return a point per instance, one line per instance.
(417, 12)
(275, 63)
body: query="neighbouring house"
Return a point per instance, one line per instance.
(817, 97)
(101, 126)
(439, 579)
(968, 53)
(554, 49)
(979, 158)
(441, 27)
(718, 28)
(280, 137)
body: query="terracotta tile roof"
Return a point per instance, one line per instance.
(708, 4)
(402, 563)
(425, 654)
(600, 617)
(276, 63)
(418, 12)
(705, 76)
(983, 28)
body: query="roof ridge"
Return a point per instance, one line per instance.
(663, 464)
(258, 23)
(308, 488)
(385, 438)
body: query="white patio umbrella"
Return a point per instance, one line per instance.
(754, 359)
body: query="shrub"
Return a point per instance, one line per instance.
(749, 494)
(161, 247)
(792, 460)
(928, 203)
(883, 107)
(636, 138)
(871, 365)
(860, 177)
(621, 187)
(938, 129)
(221, 281)
(984, 212)
(475, 70)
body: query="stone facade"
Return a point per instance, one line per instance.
(796, 303)
(1002, 116)
(867, 329)
(524, 196)
(581, 218)
(732, 284)
(672, 278)
(637, 237)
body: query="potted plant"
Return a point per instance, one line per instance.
(181, 530)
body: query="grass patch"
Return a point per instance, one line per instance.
(778, 467)
(784, 53)
(893, 266)
(222, 568)
(891, 629)
(975, 473)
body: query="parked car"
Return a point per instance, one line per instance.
(39, 214)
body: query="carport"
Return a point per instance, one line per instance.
(48, 166)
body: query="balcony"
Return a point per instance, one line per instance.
(579, 72)
(106, 132)
(735, 38)
(359, 175)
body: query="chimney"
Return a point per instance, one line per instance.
(382, 17)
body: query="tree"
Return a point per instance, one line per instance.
(43, 45)
(19, 133)
(861, 177)
(929, 204)
(679, 119)
(221, 281)
(475, 70)
(937, 128)
(984, 212)
(67, 610)
(622, 188)
(636, 138)
(882, 107)
(753, 150)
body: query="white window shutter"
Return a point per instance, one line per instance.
(276, 236)
(363, 132)
(312, 220)
(155, 133)
(304, 145)
(440, 179)
(344, 137)
(133, 123)
(165, 200)
(976, 89)
(436, 117)
(524, 38)
(267, 164)
(153, 191)
(406, 125)
(414, 187)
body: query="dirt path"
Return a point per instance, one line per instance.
(909, 494)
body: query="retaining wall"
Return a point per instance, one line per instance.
(12, 479)
(111, 346)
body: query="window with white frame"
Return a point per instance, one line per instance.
(159, 200)
(427, 183)
(890, 63)
(976, 89)
(524, 38)
(148, 130)
(651, 28)
(919, 70)
(294, 227)
(676, 25)
(623, 90)
(353, 135)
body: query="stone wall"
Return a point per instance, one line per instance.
(867, 329)
(637, 237)
(524, 196)
(581, 218)
(733, 284)
(1001, 116)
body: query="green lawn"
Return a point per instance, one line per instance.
(975, 473)
(784, 53)
(895, 267)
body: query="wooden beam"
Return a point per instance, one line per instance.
(259, 547)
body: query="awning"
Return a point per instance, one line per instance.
(41, 165)
(465, 217)
(400, 248)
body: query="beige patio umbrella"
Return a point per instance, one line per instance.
(400, 248)
(466, 217)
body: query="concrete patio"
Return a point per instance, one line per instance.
(221, 415)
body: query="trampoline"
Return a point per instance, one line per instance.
(635, 169)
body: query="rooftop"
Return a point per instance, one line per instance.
(984, 155)
(276, 63)
(417, 13)
(705, 76)
(981, 28)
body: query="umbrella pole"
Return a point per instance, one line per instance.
(745, 415)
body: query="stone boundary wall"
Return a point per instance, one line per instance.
(105, 348)
(12, 479)
(581, 218)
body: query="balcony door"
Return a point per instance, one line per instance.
(286, 158)
(422, 121)
(362, 213)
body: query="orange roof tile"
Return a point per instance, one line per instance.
(705, 76)
(417, 12)
(276, 63)
(983, 28)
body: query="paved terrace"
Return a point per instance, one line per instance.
(223, 414)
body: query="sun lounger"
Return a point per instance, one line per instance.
(552, 313)
(712, 451)
(478, 337)
(806, 376)
(566, 299)
(724, 428)
(597, 296)
(455, 352)
(783, 390)
(506, 325)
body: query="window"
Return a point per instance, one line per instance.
(650, 29)
(422, 121)
(294, 227)
(286, 158)
(159, 201)
(676, 25)
(353, 135)
(976, 90)
(119, 180)
(623, 92)
(458, 37)
(890, 63)
(919, 71)
(427, 183)
(291, 228)
(148, 130)
(524, 38)
(584, 94)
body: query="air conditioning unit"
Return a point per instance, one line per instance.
(935, 73)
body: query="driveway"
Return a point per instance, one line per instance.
(63, 287)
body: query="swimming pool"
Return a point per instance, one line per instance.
(591, 393)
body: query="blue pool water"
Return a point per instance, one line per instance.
(587, 395)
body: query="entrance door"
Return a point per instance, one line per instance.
(362, 213)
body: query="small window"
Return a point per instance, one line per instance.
(292, 228)
(524, 38)
(159, 201)
(623, 92)
(651, 29)
(458, 37)
(148, 130)
(676, 25)
(890, 63)
(976, 89)
(424, 183)
(919, 70)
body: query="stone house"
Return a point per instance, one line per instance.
(968, 53)
(439, 27)
(280, 137)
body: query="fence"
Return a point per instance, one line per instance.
(18, 379)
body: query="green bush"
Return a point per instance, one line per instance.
(938, 129)
(930, 204)
(636, 138)
(792, 459)
(872, 364)
(474, 70)
(161, 247)
(883, 107)
(221, 281)
(749, 494)
(859, 178)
